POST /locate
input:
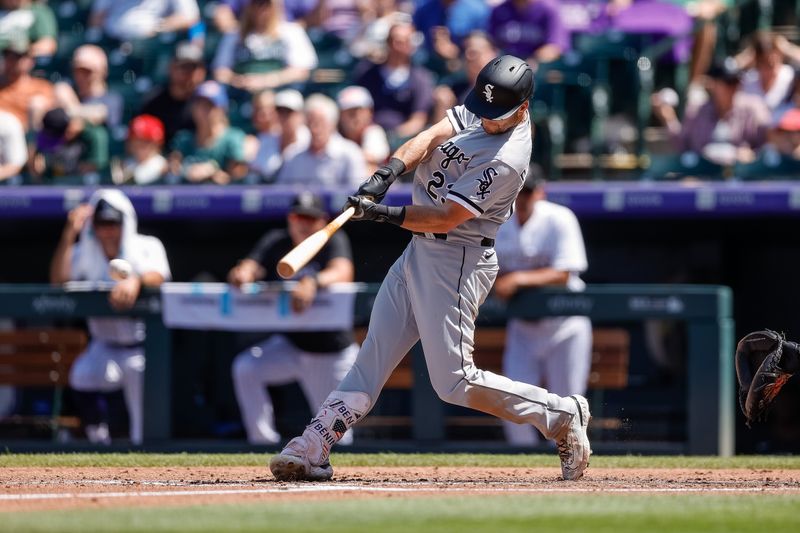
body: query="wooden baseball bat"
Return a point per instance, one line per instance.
(301, 254)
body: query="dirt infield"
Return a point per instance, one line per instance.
(70, 488)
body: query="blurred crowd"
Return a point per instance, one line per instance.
(320, 91)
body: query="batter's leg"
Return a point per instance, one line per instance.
(321, 373)
(392, 333)
(445, 306)
(569, 359)
(275, 361)
(447, 286)
(521, 363)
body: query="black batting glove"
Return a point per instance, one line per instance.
(376, 185)
(366, 209)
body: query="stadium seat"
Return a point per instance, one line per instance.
(611, 44)
(561, 85)
(334, 64)
(769, 165)
(210, 45)
(68, 41)
(676, 166)
(240, 113)
(131, 94)
(72, 13)
(624, 65)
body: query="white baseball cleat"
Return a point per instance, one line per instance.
(292, 464)
(573, 446)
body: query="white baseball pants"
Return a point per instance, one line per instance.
(556, 352)
(432, 293)
(107, 368)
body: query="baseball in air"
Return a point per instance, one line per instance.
(119, 269)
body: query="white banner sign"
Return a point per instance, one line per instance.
(257, 307)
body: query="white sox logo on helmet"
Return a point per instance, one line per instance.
(487, 92)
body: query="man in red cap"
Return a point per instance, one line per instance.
(144, 164)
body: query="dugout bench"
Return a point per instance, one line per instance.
(37, 302)
(609, 371)
(707, 311)
(41, 357)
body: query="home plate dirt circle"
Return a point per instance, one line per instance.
(60, 488)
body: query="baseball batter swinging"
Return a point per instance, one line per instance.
(469, 169)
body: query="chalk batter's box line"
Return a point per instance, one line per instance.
(367, 489)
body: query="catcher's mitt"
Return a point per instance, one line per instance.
(764, 363)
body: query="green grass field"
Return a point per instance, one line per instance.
(596, 512)
(561, 513)
(394, 459)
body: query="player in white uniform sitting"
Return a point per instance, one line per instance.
(114, 358)
(541, 245)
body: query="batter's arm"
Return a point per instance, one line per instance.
(405, 159)
(416, 149)
(423, 218)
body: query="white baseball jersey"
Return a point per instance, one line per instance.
(89, 263)
(115, 358)
(555, 350)
(550, 238)
(481, 172)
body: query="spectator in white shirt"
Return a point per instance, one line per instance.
(128, 20)
(280, 138)
(356, 124)
(267, 52)
(13, 150)
(330, 159)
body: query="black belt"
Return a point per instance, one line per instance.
(485, 242)
(125, 345)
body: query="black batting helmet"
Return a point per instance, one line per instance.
(502, 86)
